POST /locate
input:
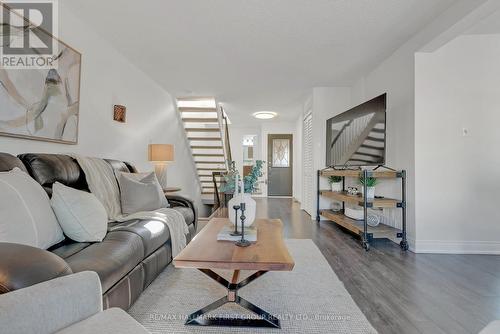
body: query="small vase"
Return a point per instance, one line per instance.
(370, 192)
(250, 208)
(336, 186)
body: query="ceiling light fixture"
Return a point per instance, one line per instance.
(265, 114)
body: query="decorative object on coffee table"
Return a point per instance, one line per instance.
(160, 155)
(119, 113)
(243, 190)
(250, 204)
(242, 242)
(206, 254)
(236, 208)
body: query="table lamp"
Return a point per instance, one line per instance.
(160, 155)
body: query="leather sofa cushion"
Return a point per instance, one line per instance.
(111, 259)
(46, 169)
(153, 233)
(68, 248)
(187, 213)
(9, 162)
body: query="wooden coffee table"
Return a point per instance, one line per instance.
(205, 253)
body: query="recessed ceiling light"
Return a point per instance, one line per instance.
(265, 114)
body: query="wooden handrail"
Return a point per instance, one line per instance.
(226, 135)
(228, 156)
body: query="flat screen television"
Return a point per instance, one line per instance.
(357, 137)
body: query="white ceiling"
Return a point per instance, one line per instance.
(256, 54)
(490, 25)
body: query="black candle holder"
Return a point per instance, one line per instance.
(243, 242)
(235, 232)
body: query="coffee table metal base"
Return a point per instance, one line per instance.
(262, 319)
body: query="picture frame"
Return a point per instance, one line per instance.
(119, 113)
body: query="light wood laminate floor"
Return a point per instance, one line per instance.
(401, 292)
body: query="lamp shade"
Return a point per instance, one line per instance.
(161, 152)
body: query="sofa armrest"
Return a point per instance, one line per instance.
(22, 266)
(51, 306)
(176, 200)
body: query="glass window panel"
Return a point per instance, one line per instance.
(281, 153)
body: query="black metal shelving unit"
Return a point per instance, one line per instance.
(361, 228)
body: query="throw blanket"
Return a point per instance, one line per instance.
(102, 183)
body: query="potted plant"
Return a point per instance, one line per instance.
(371, 182)
(243, 190)
(228, 186)
(335, 182)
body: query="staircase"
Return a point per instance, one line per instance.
(371, 151)
(206, 128)
(361, 141)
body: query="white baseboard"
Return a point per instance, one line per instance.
(456, 247)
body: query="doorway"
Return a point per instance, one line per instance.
(279, 162)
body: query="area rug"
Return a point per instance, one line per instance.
(310, 299)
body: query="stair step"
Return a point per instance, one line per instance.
(207, 155)
(200, 120)
(363, 160)
(210, 162)
(195, 147)
(205, 138)
(202, 129)
(371, 147)
(378, 130)
(208, 192)
(196, 109)
(212, 169)
(368, 154)
(381, 140)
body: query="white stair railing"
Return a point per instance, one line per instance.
(350, 132)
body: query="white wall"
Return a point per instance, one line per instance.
(458, 180)
(396, 76)
(107, 78)
(326, 102)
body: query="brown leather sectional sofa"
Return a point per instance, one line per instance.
(127, 260)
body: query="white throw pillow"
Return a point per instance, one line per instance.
(25, 213)
(140, 192)
(82, 217)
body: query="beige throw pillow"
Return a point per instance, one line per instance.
(140, 192)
